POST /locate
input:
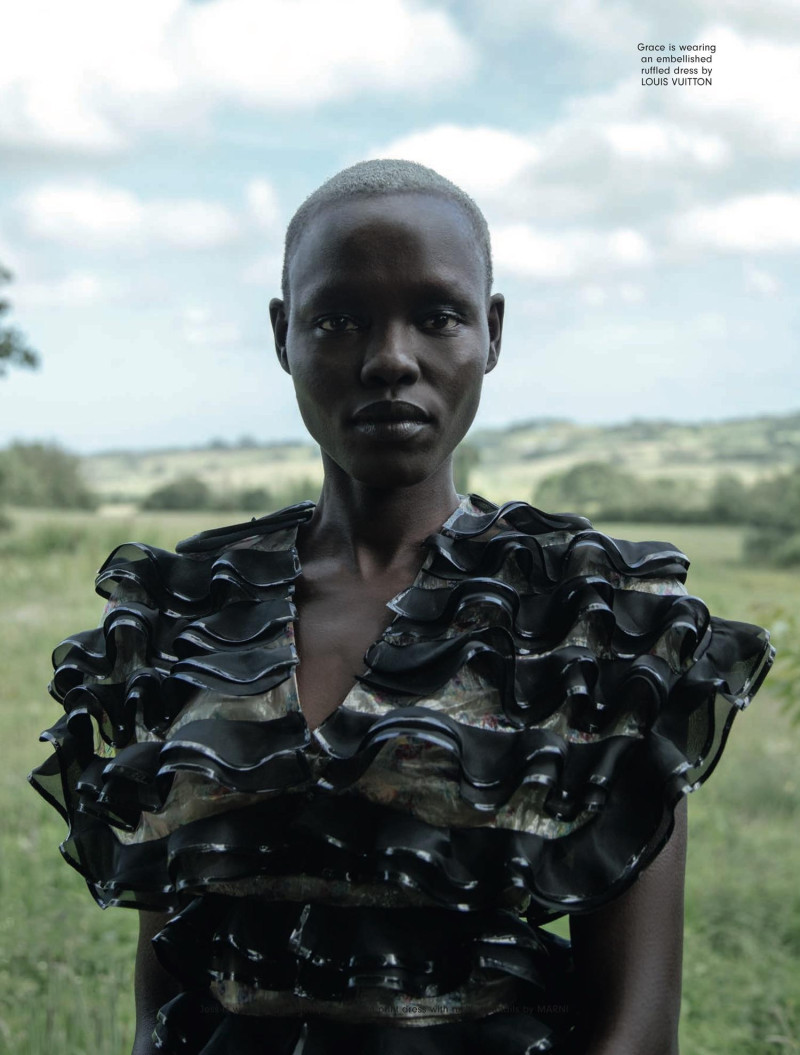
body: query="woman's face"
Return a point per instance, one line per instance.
(389, 333)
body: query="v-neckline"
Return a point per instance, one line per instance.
(464, 505)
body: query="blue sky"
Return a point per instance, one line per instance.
(646, 238)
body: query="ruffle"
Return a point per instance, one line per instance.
(378, 980)
(330, 953)
(192, 1023)
(358, 842)
(615, 702)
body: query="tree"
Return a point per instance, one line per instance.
(185, 492)
(42, 475)
(592, 488)
(14, 350)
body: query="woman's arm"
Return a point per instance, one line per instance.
(153, 986)
(628, 960)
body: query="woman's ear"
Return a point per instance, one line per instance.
(280, 327)
(497, 307)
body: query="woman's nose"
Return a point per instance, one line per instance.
(390, 357)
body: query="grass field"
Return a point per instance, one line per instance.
(65, 966)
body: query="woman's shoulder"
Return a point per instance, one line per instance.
(261, 547)
(218, 538)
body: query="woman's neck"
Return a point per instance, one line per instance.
(376, 529)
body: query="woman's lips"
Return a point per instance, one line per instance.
(391, 419)
(390, 430)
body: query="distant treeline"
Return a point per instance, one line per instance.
(602, 491)
(606, 492)
(46, 476)
(191, 493)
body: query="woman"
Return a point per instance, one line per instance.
(494, 718)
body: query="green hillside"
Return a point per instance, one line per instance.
(512, 460)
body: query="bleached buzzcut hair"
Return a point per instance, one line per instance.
(385, 176)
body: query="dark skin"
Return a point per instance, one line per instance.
(387, 337)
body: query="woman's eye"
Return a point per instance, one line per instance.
(337, 324)
(442, 320)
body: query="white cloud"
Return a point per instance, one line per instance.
(600, 24)
(263, 53)
(479, 159)
(78, 289)
(90, 75)
(103, 216)
(752, 223)
(753, 98)
(612, 25)
(766, 17)
(627, 247)
(262, 202)
(520, 249)
(191, 223)
(70, 71)
(674, 145)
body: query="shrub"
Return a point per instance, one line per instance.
(776, 502)
(728, 501)
(590, 488)
(772, 547)
(44, 539)
(43, 475)
(186, 492)
(256, 499)
(303, 489)
(465, 459)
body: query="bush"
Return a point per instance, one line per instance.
(601, 490)
(597, 489)
(465, 459)
(44, 539)
(187, 492)
(776, 502)
(191, 493)
(772, 547)
(728, 502)
(589, 488)
(303, 489)
(43, 475)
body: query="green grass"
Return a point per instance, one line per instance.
(65, 966)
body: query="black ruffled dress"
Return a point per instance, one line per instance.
(543, 698)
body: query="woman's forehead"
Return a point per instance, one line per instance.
(384, 233)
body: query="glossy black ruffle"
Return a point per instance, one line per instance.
(327, 952)
(192, 1023)
(211, 617)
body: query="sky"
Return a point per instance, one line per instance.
(646, 236)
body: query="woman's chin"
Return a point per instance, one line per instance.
(389, 471)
